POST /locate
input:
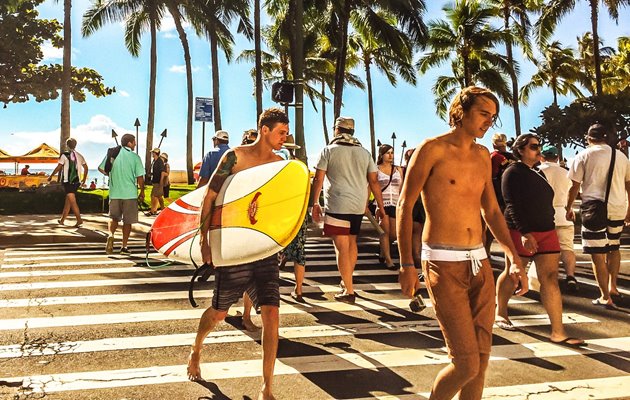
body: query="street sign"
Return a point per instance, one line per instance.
(203, 109)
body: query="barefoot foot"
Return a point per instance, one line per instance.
(194, 370)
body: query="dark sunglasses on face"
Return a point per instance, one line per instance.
(534, 146)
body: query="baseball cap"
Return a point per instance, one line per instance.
(549, 151)
(223, 135)
(597, 132)
(290, 143)
(345, 123)
(156, 151)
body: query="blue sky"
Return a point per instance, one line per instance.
(409, 111)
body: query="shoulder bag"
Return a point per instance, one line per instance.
(595, 212)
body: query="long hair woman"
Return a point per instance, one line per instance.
(390, 180)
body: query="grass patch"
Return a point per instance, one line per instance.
(50, 200)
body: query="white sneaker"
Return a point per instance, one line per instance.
(109, 247)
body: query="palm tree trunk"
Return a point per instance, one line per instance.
(152, 84)
(598, 69)
(467, 75)
(258, 57)
(216, 105)
(368, 79)
(340, 67)
(510, 59)
(326, 138)
(66, 77)
(177, 18)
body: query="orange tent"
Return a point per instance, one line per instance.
(42, 154)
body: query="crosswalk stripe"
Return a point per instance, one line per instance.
(175, 295)
(372, 360)
(172, 279)
(34, 259)
(69, 263)
(592, 389)
(232, 336)
(120, 270)
(183, 314)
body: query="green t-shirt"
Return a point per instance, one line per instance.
(127, 167)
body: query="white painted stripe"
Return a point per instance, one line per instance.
(232, 336)
(182, 314)
(71, 263)
(65, 246)
(73, 256)
(120, 270)
(205, 294)
(592, 389)
(159, 280)
(294, 365)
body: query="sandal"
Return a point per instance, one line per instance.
(577, 343)
(505, 324)
(600, 303)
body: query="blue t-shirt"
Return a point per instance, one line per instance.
(211, 160)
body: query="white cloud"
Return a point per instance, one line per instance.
(168, 24)
(51, 53)
(123, 93)
(169, 35)
(181, 69)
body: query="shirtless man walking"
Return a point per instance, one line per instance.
(453, 173)
(260, 278)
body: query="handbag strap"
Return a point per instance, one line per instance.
(610, 173)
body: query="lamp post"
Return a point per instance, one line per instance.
(137, 125)
(115, 136)
(163, 134)
(393, 144)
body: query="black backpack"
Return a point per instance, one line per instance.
(112, 153)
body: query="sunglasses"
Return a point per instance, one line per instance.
(534, 146)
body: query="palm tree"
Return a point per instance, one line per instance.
(467, 40)
(617, 68)
(555, 10)
(66, 76)
(557, 71)
(390, 60)
(258, 59)
(586, 59)
(517, 26)
(408, 14)
(136, 14)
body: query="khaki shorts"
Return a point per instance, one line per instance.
(125, 210)
(565, 237)
(157, 190)
(464, 304)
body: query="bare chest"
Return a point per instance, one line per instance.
(462, 176)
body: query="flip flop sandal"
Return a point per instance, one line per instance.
(599, 303)
(504, 324)
(565, 342)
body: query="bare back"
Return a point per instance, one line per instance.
(454, 179)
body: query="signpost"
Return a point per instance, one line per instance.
(203, 113)
(137, 125)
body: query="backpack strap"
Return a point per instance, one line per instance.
(610, 173)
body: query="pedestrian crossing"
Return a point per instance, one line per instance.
(78, 324)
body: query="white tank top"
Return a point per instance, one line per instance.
(392, 191)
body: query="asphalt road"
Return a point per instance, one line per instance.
(77, 324)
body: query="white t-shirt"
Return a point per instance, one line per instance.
(590, 168)
(560, 182)
(346, 185)
(392, 191)
(63, 160)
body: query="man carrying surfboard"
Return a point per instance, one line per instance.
(350, 169)
(453, 173)
(260, 279)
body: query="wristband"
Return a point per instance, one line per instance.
(408, 265)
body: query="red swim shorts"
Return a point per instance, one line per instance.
(547, 242)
